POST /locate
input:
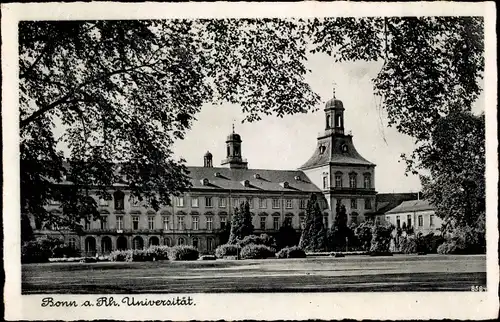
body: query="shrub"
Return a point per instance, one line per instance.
(65, 251)
(183, 253)
(39, 250)
(291, 252)
(408, 245)
(138, 255)
(448, 247)
(263, 239)
(363, 234)
(381, 239)
(227, 250)
(464, 240)
(429, 243)
(119, 256)
(253, 251)
(159, 252)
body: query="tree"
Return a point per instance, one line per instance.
(287, 236)
(241, 223)
(314, 235)
(340, 231)
(121, 92)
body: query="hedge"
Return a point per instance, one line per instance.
(408, 245)
(227, 250)
(183, 253)
(253, 251)
(40, 250)
(263, 239)
(291, 252)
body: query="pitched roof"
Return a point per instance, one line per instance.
(333, 152)
(257, 179)
(412, 206)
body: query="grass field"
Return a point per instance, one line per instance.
(322, 274)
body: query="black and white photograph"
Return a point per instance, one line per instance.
(172, 159)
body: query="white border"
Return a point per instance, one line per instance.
(246, 306)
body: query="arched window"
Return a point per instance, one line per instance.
(367, 182)
(228, 151)
(338, 180)
(167, 242)
(338, 120)
(353, 180)
(195, 242)
(328, 120)
(119, 197)
(210, 244)
(181, 241)
(72, 242)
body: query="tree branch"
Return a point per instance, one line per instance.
(37, 60)
(65, 98)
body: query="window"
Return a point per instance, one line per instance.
(210, 244)
(236, 202)
(119, 222)
(134, 201)
(209, 223)
(194, 202)
(72, 243)
(179, 201)
(328, 121)
(180, 241)
(167, 242)
(195, 223)
(367, 181)
(325, 182)
(276, 223)
(368, 203)
(222, 202)
(354, 204)
(262, 203)
(180, 222)
(338, 180)
(195, 242)
(151, 222)
(104, 222)
(388, 218)
(288, 203)
(119, 196)
(87, 225)
(250, 202)
(166, 222)
(352, 180)
(420, 221)
(354, 219)
(223, 222)
(431, 220)
(135, 222)
(377, 221)
(302, 222)
(398, 222)
(302, 203)
(276, 203)
(263, 223)
(208, 202)
(408, 219)
(326, 221)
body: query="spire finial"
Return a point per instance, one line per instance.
(233, 127)
(334, 84)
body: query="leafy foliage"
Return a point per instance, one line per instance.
(263, 239)
(241, 223)
(381, 239)
(40, 250)
(314, 234)
(227, 250)
(340, 231)
(291, 252)
(183, 253)
(253, 251)
(287, 235)
(363, 233)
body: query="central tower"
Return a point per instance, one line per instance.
(233, 155)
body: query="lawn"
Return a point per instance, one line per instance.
(322, 274)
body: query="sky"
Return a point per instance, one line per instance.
(286, 143)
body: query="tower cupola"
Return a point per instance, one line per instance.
(233, 149)
(334, 115)
(207, 160)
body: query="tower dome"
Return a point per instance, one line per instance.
(334, 104)
(234, 137)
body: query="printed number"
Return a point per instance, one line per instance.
(476, 288)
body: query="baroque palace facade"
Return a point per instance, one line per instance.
(336, 172)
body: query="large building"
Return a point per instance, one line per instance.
(336, 172)
(419, 215)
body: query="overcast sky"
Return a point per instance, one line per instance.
(286, 143)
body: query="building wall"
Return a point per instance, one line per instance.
(270, 213)
(422, 225)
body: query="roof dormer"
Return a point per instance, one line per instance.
(205, 181)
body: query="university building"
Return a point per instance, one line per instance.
(336, 172)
